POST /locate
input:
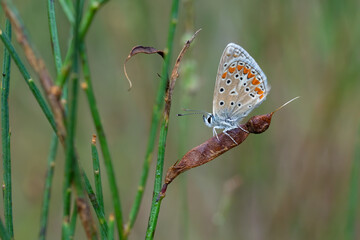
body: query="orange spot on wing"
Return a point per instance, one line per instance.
(261, 96)
(250, 75)
(255, 81)
(259, 91)
(224, 75)
(231, 69)
(239, 67)
(246, 70)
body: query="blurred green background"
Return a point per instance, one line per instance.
(291, 182)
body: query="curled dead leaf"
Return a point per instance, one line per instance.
(215, 147)
(140, 49)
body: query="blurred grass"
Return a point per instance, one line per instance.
(295, 176)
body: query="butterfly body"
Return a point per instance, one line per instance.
(240, 87)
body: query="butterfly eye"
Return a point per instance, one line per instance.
(209, 119)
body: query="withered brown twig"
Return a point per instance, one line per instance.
(53, 93)
(175, 74)
(86, 218)
(214, 147)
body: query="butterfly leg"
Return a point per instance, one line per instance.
(243, 129)
(215, 134)
(225, 132)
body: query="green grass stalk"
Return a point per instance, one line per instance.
(29, 81)
(54, 142)
(97, 174)
(156, 114)
(48, 184)
(94, 6)
(54, 36)
(69, 150)
(4, 235)
(97, 207)
(155, 206)
(156, 203)
(73, 221)
(5, 134)
(103, 142)
(111, 227)
(66, 231)
(68, 9)
(353, 198)
(84, 27)
(70, 160)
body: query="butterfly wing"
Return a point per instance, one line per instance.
(240, 85)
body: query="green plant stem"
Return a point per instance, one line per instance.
(54, 142)
(29, 81)
(70, 160)
(5, 134)
(4, 235)
(54, 36)
(111, 227)
(89, 16)
(97, 208)
(103, 142)
(68, 10)
(84, 27)
(48, 184)
(66, 231)
(73, 221)
(97, 175)
(156, 203)
(156, 114)
(69, 150)
(353, 198)
(155, 206)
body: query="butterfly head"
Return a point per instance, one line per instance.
(209, 119)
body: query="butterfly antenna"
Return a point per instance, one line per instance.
(285, 104)
(193, 110)
(185, 114)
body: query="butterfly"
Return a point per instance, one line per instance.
(240, 87)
